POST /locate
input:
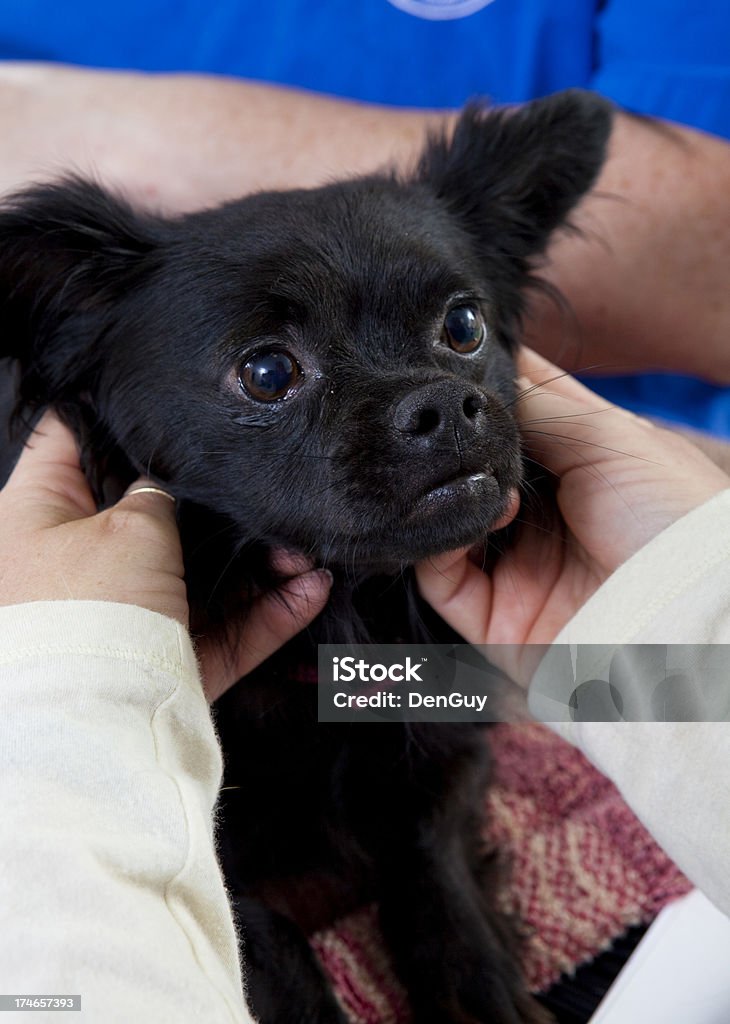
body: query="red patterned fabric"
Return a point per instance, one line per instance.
(583, 869)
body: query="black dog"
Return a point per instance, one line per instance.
(328, 371)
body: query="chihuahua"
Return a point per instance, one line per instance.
(331, 372)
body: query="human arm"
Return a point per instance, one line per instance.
(181, 142)
(109, 763)
(109, 774)
(646, 276)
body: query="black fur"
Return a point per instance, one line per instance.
(136, 328)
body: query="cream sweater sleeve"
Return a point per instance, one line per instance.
(109, 773)
(675, 775)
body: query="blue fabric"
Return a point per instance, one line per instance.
(670, 397)
(669, 58)
(511, 50)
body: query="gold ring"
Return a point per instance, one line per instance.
(151, 490)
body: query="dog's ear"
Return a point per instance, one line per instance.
(512, 175)
(68, 251)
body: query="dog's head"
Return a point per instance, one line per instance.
(328, 370)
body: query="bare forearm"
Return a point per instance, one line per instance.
(185, 141)
(648, 281)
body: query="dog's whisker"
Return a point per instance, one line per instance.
(590, 368)
(285, 456)
(535, 387)
(532, 525)
(567, 417)
(567, 440)
(590, 467)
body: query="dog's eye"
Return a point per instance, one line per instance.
(464, 329)
(269, 376)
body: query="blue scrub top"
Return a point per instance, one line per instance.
(669, 58)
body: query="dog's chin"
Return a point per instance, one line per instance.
(453, 515)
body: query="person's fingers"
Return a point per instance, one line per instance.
(51, 444)
(459, 591)
(49, 477)
(565, 425)
(146, 496)
(272, 621)
(290, 563)
(535, 371)
(147, 512)
(622, 479)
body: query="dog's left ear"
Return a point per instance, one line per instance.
(512, 175)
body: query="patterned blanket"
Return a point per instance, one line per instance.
(583, 870)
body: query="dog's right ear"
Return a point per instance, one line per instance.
(68, 252)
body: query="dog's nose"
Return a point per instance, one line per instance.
(445, 409)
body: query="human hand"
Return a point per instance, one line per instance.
(55, 546)
(621, 481)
